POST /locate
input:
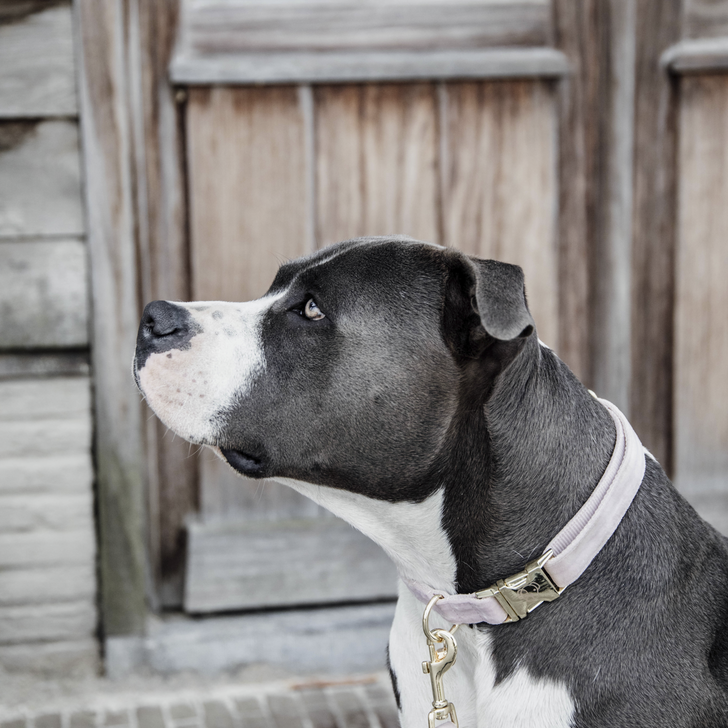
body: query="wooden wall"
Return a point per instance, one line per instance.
(48, 617)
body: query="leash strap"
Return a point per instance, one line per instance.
(569, 553)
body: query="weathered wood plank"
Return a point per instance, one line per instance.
(66, 621)
(70, 658)
(376, 161)
(611, 259)
(45, 437)
(306, 561)
(705, 55)
(247, 188)
(53, 584)
(500, 188)
(336, 641)
(654, 230)
(701, 335)
(64, 397)
(352, 67)
(576, 27)
(229, 28)
(705, 19)
(47, 548)
(108, 170)
(67, 512)
(40, 179)
(165, 274)
(65, 473)
(23, 364)
(43, 294)
(37, 74)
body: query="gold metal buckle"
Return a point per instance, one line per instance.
(521, 593)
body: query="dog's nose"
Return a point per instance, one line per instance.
(164, 326)
(163, 319)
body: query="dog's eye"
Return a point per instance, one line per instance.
(312, 311)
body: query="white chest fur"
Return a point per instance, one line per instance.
(412, 535)
(518, 701)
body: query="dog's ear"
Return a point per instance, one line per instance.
(484, 300)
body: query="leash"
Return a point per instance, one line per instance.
(542, 580)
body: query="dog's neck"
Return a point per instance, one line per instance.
(523, 464)
(538, 447)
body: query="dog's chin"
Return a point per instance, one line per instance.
(244, 463)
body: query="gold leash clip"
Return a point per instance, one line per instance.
(441, 660)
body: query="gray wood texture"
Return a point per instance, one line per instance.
(705, 18)
(248, 196)
(575, 30)
(336, 641)
(109, 155)
(701, 335)
(47, 622)
(43, 294)
(14, 365)
(57, 473)
(70, 658)
(303, 561)
(47, 533)
(653, 233)
(351, 67)
(164, 274)
(500, 188)
(37, 73)
(234, 27)
(705, 55)
(48, 585)
(40, 179)
(612, 255)
(376, 161)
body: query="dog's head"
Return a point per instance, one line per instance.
(349, 372)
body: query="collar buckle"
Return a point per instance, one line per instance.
(521, 593)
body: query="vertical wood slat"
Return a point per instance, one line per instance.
(249, 208)
(108, 166)
(611, 256)
(247, 188)
(576, 34)
(654, 230)
(376, 161)
(701, 345)
(500, 184)
(164, 272)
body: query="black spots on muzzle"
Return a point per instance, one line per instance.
(164, 326)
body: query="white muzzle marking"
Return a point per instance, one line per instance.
(189, 388)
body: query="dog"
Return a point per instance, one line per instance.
(402, 386)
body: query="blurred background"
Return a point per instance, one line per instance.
(182, 149)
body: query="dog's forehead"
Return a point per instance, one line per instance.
(354, 262)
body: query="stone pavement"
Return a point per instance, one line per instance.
(360, 702)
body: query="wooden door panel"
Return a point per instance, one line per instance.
(376, 161)
(500, 187)
(468, 164)
(248, 188)
(701, 302)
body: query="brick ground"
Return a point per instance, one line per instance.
(364, 703)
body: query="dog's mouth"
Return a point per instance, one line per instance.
(244, 463)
